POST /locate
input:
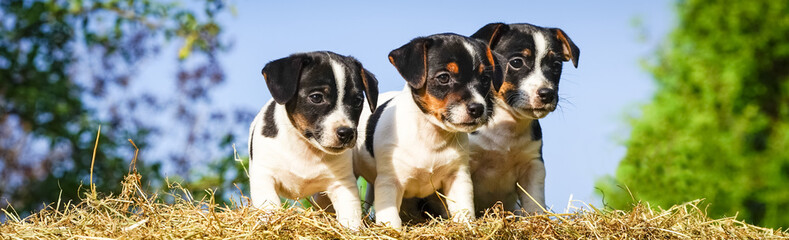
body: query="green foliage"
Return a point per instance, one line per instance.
(63, 67)
(718, 125)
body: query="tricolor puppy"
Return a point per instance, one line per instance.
(416, 143)
(508, 151)
(298, 143)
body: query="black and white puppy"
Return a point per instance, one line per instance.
(298, 143)
(508, 151)
(416, 143)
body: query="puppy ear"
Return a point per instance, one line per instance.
(493, 59)
(282, 76)
(570, 51)
(411, 61)
(370, 88)
(498, 71)
(491, 33)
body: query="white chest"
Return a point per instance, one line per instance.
(498, 157)
(296, 170)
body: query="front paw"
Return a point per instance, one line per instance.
(389, 219)
(463, 216)
(267, 216)
(352, 223)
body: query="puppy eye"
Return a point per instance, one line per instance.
(316, 98)
(516, 63)
(485, 78)
(443, 78)
(557, 64)
(357, 101)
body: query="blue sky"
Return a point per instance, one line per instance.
(583, 138)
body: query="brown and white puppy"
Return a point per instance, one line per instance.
(508, 151)
(298, 143)
(416, 143)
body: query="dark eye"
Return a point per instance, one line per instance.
(557, 64)
(516, 63)
(443, 78)
(485, 78)
(357, 101)
(316, 98)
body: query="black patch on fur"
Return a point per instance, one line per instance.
(536, 130)
(536, 134)
(317, 77)
(251, 138)
(269, 125)
(282, 76)
(409, 60)
(445, 49)
(491, 33)
(371, 124)
(512, 43)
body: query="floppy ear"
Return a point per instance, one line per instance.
(493, 59)
(491, 33)
(498, 71)
(411, 61)
(570, 51)
(282, 76)
(370, 88)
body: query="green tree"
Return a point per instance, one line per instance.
(66, 66)
(718, 125)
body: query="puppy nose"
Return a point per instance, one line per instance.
(345, 134)
(546, 95)
(475, 110)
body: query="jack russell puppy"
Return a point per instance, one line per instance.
(508, 150)
(299, 142)
(416, 143)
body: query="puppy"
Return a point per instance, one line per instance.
(298, 143)
(508, 151)
(416, 142)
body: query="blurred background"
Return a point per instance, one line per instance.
(672, 101)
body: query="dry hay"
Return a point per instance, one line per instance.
(135, 214)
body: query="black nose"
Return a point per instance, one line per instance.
(345, 134)
(546, 95)
(476, 110)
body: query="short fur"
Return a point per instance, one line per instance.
(508, 151)
(299, 140)
(420, 138)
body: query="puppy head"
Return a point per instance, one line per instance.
(452, 79)
(323, 93)
(533, 57)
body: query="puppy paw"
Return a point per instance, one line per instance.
(352, 224)
(463, 216)
(389, 220)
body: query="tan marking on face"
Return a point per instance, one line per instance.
(526, 52)
(481, 68)
(391, 60)
(453, 68)
(505, 87)
(265, 76)
(299, 121)
(434, 106)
